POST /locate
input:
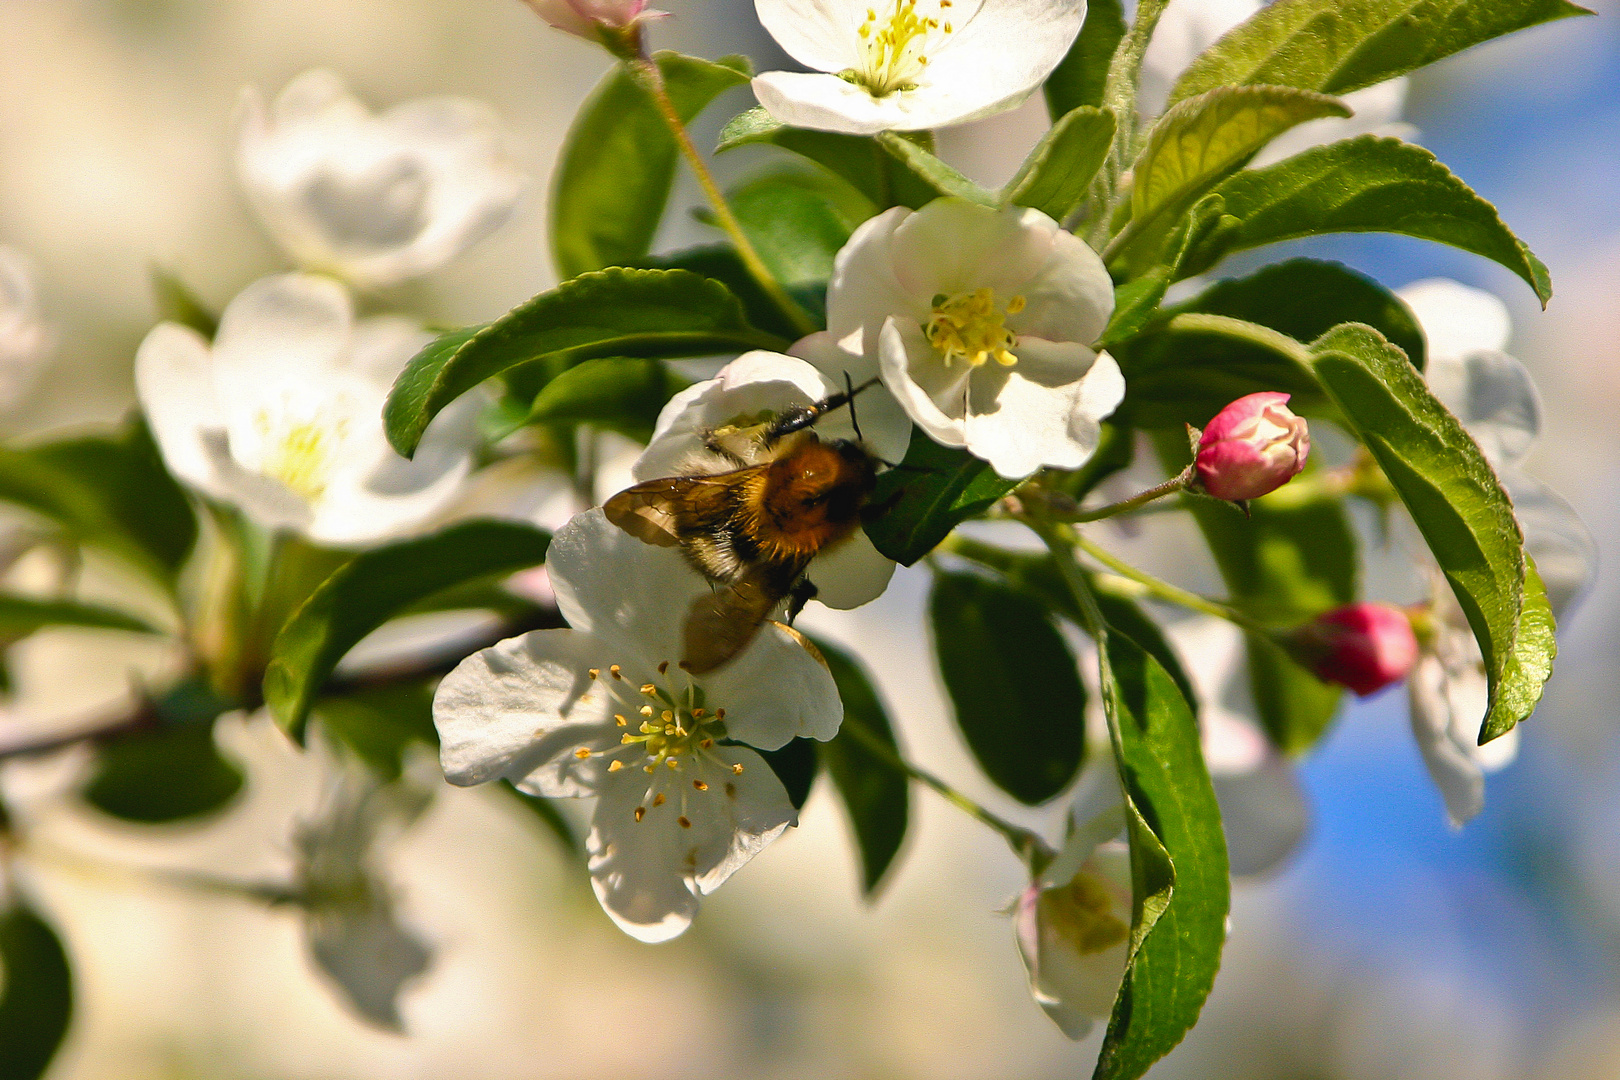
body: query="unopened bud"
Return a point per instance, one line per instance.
(1363, 646)
(611, 22)
(1253, 447)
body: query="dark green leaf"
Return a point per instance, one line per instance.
(1337, 46)
(1367, 184)
(22, 615)
(875, 793)
(1079, 79)
(1012, 681)
(36, 1003)
(857, 159)
(919, 505)
(936, 174)
(797, 220)
(619, 394)
(615, 172)
(163, 776)
(619, 312)
(720, 262)
(1055, 176)
(378, 723)
(374, 587)
(1199, 143)
(1459, 506)
(1176, 377)
(176, 303)
(1180, 885)
(795, 765)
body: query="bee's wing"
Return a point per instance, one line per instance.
(652, 512)
(722, 623)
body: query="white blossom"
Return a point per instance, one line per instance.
(373, 199)
(760, 384)
(26, 340)
(980, 323)
(910, 65)
(604, 709)
(281, 415)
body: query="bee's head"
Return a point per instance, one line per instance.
(800, 417)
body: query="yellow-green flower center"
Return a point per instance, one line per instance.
(1081, 913)
(895, 46)
(301, 454)
(662, 727)
(973, 327)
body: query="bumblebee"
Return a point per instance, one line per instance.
(778, 494)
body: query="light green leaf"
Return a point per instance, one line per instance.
(176, 303)
(618, 312)
(936, 174)
(875, 793)
(721, 262)
(163, 776)
(36, 1003)
(1056, 175)
(619, 394)
(1199, 143)
(374, 587)
(1180, 885)
(1136, 302)
(380, 722)
(1336, 46)
(615, 172)
(1458, 505)
(1012, 681)
(797, 220)
(939, 488)
(1367, 184)
(857, 159)
(22, 615)
(1079, 79)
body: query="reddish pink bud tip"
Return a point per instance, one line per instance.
(1363, 646)
(1253, 447)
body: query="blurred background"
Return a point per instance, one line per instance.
(1389, 947)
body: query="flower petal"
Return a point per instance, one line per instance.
(1555, 537)
(884, 426)
(820, 34)
(850, 573)
(1264, 814)
(1070, 298)
(933, 395)
(624, 590)
(864, 290)
(1456, 319)
(1454, 771)
(952, 246)
(174, 382)
(1494, 397)
(774, 691)
(1040, 412)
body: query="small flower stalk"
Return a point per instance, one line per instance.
(1253, 447)
(1365, 646)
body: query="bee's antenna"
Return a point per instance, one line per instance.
(849, 392)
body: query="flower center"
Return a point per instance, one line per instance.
(1080, 912)
(972, 327)
(301, 453)
(664, 727)
(895, 45)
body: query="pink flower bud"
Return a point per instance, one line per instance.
(589, 18)
(1363, 646)
(1252, 447)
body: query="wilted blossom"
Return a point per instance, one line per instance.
(281, 415)
(1252, 447)
(604, 709)
(1363, 646)
(25, 339)
(373, 199)
(980, 323)
(910, 65)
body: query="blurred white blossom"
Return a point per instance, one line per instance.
(980, 323)
(374, 199)
(25, 339)
(605, 710)
(281, 415)
(910, 65)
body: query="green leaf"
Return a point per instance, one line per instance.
(795, 765)
(1079, 79)
(936, 174)
(22, 615)
(920, 504)
(615, 172)
(1057, 173)
(36, 1003)
(857, 159)
(1366, 184)
(721, 262)
(175, 302)
(1136, 302)
(797, 220)
(1459, 506)
(1337, 46)
(618, 312)
(875, 793)
(1175, 377)
(1013, 683)
(163, 776)
(153, 518)
(1180, 886)
(1199, 143)
(620, 394)
(378, 723)
(374, 587)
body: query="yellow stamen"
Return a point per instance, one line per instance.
(971, 327)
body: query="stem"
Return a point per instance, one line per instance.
(1119, 94)
(1169, 487)
(1024, 842)
(1168, 592)
(652, 78)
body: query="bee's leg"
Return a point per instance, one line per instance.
(803, 591)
